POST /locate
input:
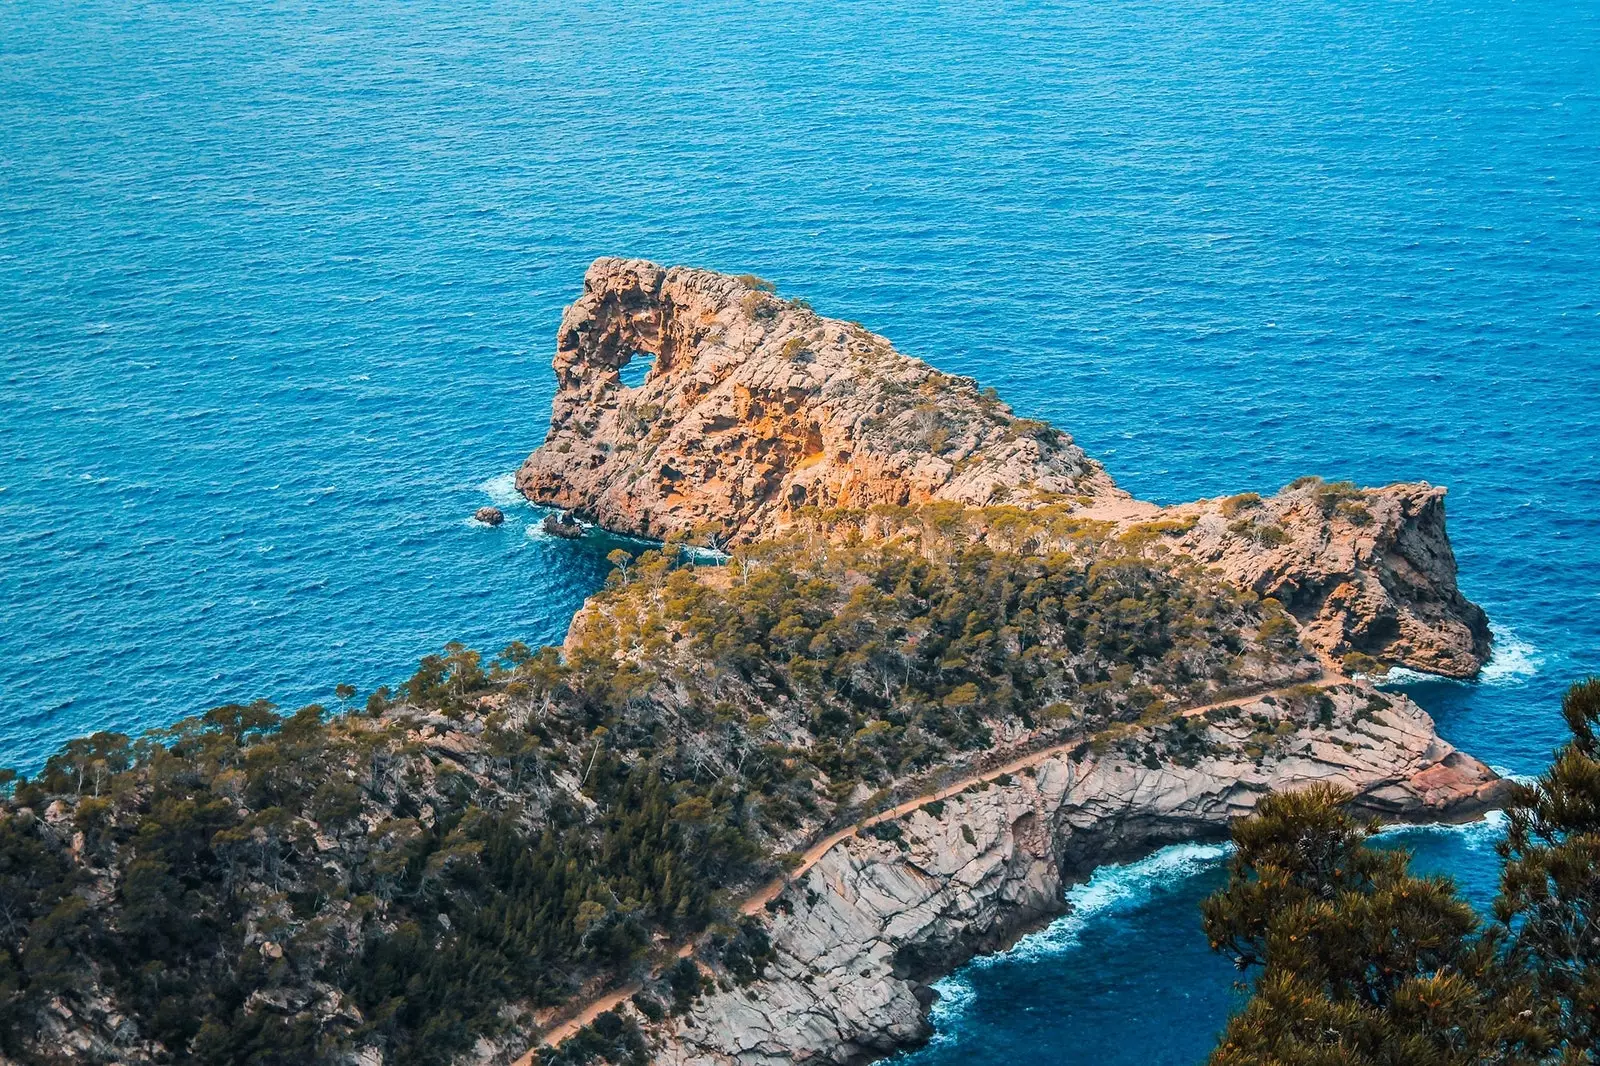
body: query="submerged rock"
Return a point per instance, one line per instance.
(489, 516)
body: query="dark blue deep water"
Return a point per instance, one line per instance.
(279, 284)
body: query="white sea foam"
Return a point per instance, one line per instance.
(502, 490)
(1513, 660)
(955, 997)
(1400, 675)
(1111, 889)
(1116, 888)
(1480, 834)
(1509, 775)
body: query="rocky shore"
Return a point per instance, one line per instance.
(758, 415)
(860, 933)
(947, 667)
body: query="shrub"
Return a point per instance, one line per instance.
(751, 281)
(1242, 502)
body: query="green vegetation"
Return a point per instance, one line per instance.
(374, 893)
(1268, 534)
(878, 658)
(1233, 505)
(255, 887)
(1363, 963)
(751, 281)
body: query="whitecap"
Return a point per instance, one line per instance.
(502, 490)
(956, 995)
(1108, 890)
(1513, 659)
(1482, 833)
(1403, 675)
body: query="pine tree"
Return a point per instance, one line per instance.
(1550, 888)
(1360, 962)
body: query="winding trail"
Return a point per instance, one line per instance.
(753, 904)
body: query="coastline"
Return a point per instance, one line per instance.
(877, 920)
(1379, 588)
(948, 668)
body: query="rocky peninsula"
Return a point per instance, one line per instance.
(747, 811)
(759, 416)
(757, 411)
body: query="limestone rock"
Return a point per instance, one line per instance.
(861, 931)
(1364, 570)
(756, 407)
(489, 516)
(562, 525)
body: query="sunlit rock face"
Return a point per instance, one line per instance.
(754, 408)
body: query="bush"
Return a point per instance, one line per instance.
(1347, 941)
(1233, 505)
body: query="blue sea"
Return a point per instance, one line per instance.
(279, 285)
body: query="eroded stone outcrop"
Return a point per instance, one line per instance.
(1368, 571)
(860, 932)
(756, 408)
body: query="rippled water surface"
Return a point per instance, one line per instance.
(279, 284)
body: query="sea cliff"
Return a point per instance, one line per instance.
(747, 811)
(756, 411)
(886, 910)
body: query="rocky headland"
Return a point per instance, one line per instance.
(757, 411)
(908, 900)
(756, 407)
(748, 811)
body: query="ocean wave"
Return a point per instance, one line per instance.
(1483, 833)
(502, 490)
(956, 995)
(1513, 659)
(1110, 889)
(1399, 676)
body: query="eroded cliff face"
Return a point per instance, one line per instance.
(859, 933)
(1365, 571)
(756, 408)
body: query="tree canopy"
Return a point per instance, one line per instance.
(1361, 963)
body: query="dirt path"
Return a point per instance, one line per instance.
(755, 903)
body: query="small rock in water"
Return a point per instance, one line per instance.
(490, 516)
(563, 525)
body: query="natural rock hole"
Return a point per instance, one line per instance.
(636, 369)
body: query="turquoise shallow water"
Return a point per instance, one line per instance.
(279, 284)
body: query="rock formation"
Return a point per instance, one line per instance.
(562, 525)
(756, 408)
(880, 914)
(489, 516)
(1368, 571)
(953, 623)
